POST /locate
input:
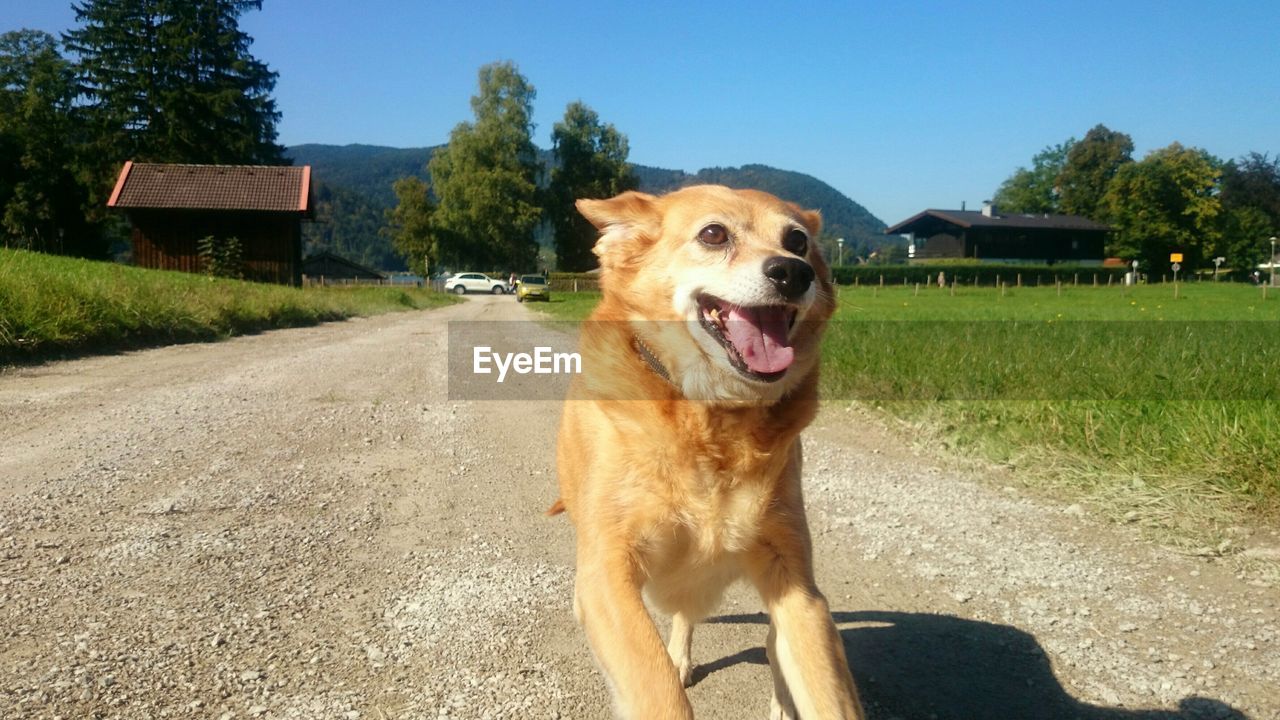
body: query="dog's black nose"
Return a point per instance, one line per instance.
(791, 276)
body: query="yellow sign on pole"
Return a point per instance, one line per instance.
(1175, 257)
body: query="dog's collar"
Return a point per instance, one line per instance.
(651, 360)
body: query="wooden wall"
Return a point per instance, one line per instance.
(169, 240)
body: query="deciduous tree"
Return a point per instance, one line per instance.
(1035, 190)
(1091, 165)
(485, 180)
(590, 162)
(1250, 194)
(1166, 203)
(409, 225)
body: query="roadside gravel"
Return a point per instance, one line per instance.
(300, 524)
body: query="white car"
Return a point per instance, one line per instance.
(463, 283)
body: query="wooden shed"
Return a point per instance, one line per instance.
(325, 266)
(172, 207)
(988, 235)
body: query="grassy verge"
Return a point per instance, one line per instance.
(54, 306)
(566, 305)
(1162, 412)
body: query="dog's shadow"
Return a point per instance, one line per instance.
(937, 667)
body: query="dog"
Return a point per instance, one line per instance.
(678, 453)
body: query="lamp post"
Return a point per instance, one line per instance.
(1273, 262)
(840, 244)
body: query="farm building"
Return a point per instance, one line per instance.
(172, 207)
(988, 235)
(325, 266)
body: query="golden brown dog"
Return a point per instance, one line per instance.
(679, 452)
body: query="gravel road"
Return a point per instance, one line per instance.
(300, 524)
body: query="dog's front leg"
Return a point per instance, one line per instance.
(625, 641)
(811, 674)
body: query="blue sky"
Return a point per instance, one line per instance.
(901, 106)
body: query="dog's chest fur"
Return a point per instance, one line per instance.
(718, 480)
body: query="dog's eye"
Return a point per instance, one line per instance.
(713, 234)
(795, 242)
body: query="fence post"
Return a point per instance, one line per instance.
(1019, 280)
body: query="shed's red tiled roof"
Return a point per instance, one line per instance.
(264, 188)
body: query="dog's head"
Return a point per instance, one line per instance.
(728, 287)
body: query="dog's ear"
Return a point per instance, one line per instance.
(621, 220)
(812, 219)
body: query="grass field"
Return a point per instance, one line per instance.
(1161, 411)
(54, 306)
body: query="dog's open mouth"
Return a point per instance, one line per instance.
(756, 338)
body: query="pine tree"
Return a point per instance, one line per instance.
(591, 162)
(174, 81)
(42, 202)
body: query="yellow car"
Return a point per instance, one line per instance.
(533, 287)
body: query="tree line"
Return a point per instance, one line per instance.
(484, 202)
(168, 81)
(1177, 199)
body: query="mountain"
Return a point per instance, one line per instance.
(841, 217)
(353, 193)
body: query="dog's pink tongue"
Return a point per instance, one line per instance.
(760, 335)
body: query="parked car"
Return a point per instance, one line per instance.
(533, 287)
(463, 283)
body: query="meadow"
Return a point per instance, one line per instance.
(56, 306)
(1159, 411)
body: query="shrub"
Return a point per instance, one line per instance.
(222, 258)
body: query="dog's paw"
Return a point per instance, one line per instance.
(685, 670)
(778, 712)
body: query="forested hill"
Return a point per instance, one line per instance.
(353, 192)
(841, 216)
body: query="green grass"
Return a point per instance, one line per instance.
(54, 306)
(1196, 301)
(1162, 412)
(565, 305)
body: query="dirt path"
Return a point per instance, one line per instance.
(300, 524)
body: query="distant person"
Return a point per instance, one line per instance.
(512, 282)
